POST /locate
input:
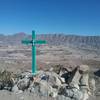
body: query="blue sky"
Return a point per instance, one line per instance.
(81, 17)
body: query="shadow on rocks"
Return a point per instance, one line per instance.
(97, 73)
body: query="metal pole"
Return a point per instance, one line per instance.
(34, 69)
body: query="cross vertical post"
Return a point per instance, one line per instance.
(34, 66)
(33, 42)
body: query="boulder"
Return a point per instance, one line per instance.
(15, 89)
(72, 93)
(44, 89)
(53, 79)
(23, 84)
(78, 95)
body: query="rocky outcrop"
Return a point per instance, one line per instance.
(51, 84)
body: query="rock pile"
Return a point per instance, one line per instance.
(65, 85)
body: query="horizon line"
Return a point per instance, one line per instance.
(57, 33)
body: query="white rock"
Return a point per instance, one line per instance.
(62, 80)
(85, 95)
(15, 89)
(92, 86)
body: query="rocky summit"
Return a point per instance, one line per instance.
(59, 84)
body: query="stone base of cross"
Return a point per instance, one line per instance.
(33, 42)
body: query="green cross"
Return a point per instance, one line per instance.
(34, 42)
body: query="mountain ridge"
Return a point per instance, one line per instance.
(53, 39)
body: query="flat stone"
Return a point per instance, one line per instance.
(84, 68)
(75, 77)
(84, 81)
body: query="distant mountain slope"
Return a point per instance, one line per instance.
(54, 39)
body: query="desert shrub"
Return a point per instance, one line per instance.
(6, 79)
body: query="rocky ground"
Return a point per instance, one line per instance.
(60, 77)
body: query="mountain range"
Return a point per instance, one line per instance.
(54, 39)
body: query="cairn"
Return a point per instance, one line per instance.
(68, 85)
